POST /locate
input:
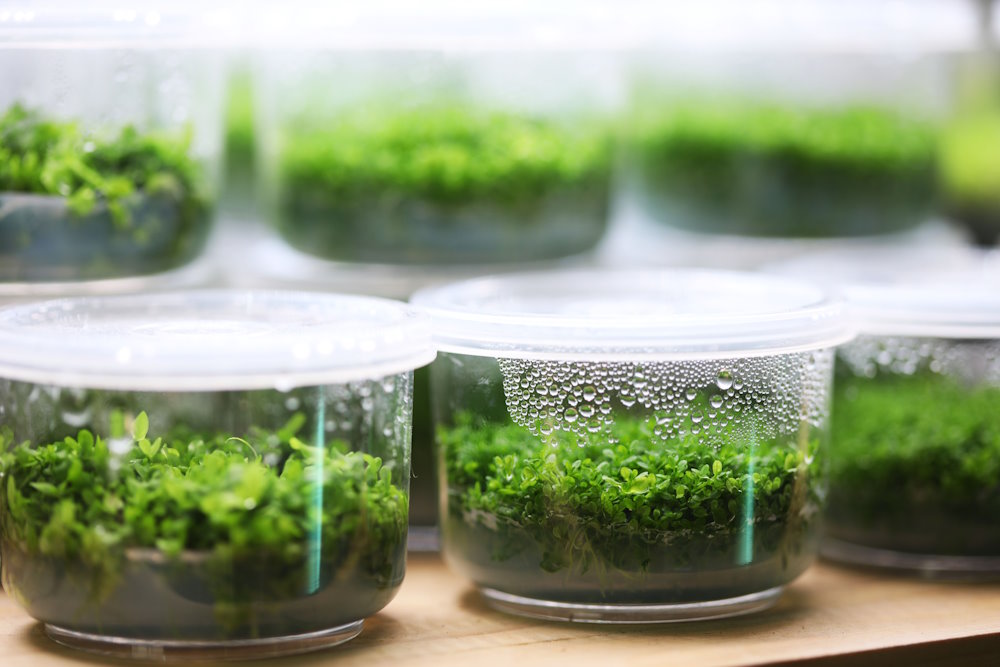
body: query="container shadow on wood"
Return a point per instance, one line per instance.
(792, 608)
(377, 630)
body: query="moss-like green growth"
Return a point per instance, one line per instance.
(639, 518)
(742, 167)
(444, 181)
(254, 530)
(915, 464)
(110, 204)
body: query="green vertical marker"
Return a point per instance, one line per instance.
(316, 534)
(746, 542)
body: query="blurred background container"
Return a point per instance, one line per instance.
(763, 130)
(109, 145)
(396, 136)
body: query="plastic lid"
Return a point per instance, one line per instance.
(114, 24)
(943, 293)
(210, 340)
(836, 26)
(446, 24)
(631, 315)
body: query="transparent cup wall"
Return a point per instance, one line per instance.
(437, 156)
(915, 456)
(213, 518)
(631, 491)
(424, 482)
(109, 159)
(786, 144)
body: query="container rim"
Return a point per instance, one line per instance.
(949, 309)
(626, 315)
(106, 24)
(932, 292)
(210, 340)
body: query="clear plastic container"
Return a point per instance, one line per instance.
(915, 433)
(109, 137)
(823, 123)
(438, 135)
(206, 474)
(631, 446)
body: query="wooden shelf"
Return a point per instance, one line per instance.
(830, 616)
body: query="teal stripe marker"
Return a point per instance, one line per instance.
(746, 541)
(316, 533)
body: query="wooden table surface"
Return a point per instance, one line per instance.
(830, 616)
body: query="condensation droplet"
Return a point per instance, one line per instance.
(724, 380)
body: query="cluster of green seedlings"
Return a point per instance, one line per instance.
(631, 506)
(268, 504)
(867, 139)
(447, 154)
(932, 441)
(102, 173)
(776, 161)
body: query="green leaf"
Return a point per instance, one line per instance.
(45, 488)
(140, 427)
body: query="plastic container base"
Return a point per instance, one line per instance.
(631, 613)
(928, 566)
(166, 650)
(423, 539)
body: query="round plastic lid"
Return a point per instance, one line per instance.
(841, 26)
(447, 24)
(598, 315)
(114, 23)
(211, 340)
(937, 293)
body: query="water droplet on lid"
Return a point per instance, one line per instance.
(724, 380)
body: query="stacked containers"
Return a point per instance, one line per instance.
(632, 446)
(206, 474)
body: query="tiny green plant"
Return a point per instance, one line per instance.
(130, 178)
(935, 443)
(631, 505)
(446, 166)
(260, 519)
(771, 169)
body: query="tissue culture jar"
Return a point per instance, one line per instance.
(633, 484)
(915, 456)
